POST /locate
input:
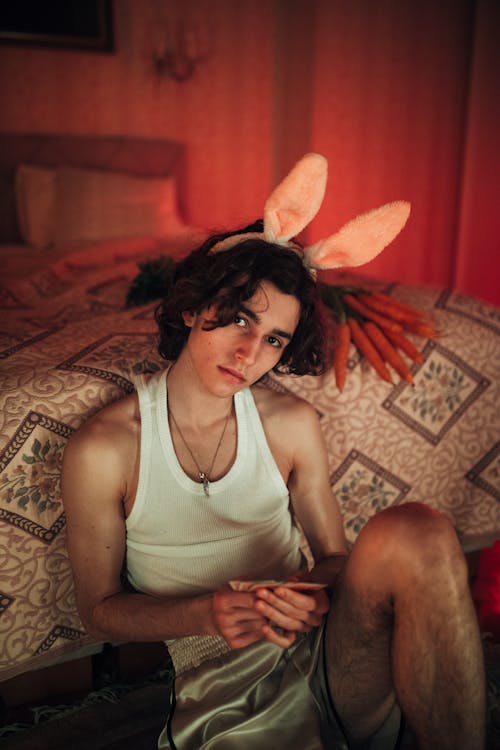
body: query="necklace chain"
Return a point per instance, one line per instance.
(204, 476)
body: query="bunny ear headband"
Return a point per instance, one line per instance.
(296, 201)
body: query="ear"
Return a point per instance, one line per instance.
(361, 239)
(296, 200)
(188, 318)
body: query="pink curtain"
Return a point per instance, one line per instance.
(478, 238)
(403, 100)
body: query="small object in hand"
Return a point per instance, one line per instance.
(271, 584)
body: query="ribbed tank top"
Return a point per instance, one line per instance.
(181, 542)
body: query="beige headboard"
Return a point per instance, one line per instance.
(137, 156)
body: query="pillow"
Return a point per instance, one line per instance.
(35, 203)
(99, 205)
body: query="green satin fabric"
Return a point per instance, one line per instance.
(255, 698)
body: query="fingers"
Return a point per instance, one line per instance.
(242, 638)
(236, 619)
(322, 601)
(291, 610)
(277, 615)
(283, 638)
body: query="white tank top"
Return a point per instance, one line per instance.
(181, 542)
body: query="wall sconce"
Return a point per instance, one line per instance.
(182, 52)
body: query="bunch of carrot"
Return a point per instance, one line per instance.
(376, 324)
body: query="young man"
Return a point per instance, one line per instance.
(198, 478)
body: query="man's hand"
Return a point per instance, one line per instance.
(290, 612)
(236, 619)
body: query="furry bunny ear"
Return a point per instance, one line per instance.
(361, 239)
(296, 200)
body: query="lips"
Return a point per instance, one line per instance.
(235, 374)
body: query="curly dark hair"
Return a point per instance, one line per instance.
(231, 277)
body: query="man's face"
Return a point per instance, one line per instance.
(229, 358)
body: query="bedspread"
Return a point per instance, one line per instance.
(437, 441)
(68, 347)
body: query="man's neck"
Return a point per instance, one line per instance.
(190, 403)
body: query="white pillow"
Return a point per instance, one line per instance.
(36, 204)
(98, 205)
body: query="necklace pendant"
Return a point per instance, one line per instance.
(206, 483)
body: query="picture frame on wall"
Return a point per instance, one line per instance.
(72, 24)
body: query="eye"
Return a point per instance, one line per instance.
(240, 321)
(276, 343)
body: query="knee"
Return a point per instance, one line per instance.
(413, 539)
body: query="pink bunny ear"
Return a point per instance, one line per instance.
(361, 239)
(296, 200)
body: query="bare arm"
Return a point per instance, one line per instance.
(318, 513)
(94, 484)
(314, 502)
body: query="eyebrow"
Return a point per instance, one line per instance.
(277, 331)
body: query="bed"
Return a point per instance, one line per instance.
(78, 214)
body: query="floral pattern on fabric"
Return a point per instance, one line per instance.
(363, 488)
(445, 387)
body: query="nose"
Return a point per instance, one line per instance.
(247, 349)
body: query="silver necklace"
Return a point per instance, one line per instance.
(204, 476)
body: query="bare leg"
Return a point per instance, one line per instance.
(402, 628)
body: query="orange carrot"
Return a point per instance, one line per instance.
(422, 328)
(342, 344)
(390, 308)
(386, 349)
(366, 347)
(395, 303)
(406, 346)
(370, 314)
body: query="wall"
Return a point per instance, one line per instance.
(224, 114)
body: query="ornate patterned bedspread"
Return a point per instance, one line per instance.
(68, 347)
(436, 442)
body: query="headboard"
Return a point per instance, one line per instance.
(133, 155)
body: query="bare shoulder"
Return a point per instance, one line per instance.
(119, 420)
(287, 415)
(285, 409)
(107, 441)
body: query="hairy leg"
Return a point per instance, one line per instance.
(402, 628)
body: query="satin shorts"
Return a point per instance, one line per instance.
(258, 698)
